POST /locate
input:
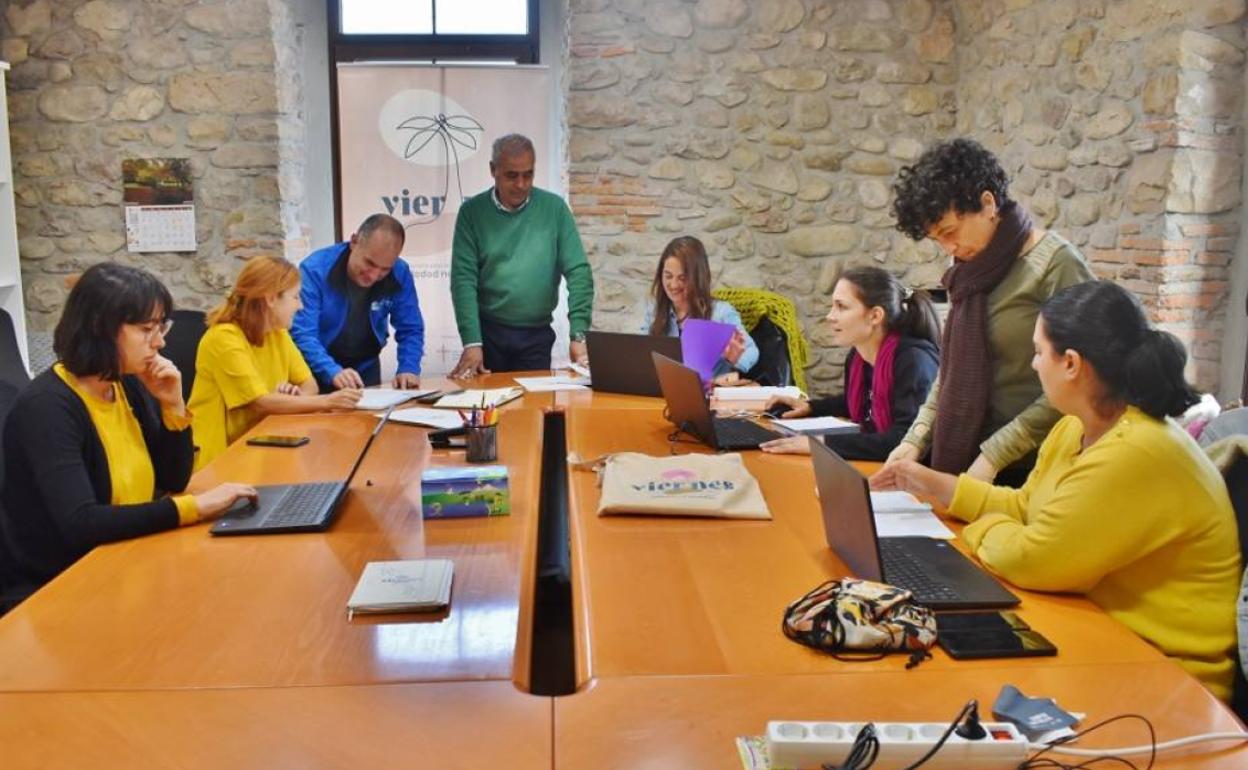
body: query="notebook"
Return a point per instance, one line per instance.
(374, 399)
(689, 411)
(428, 417)
(467, 399)
(933, 570)
(308, 507)
(414, 585)
(621, 363)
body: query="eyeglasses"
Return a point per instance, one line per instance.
(154, 329)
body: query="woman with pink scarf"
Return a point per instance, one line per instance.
(893, 334)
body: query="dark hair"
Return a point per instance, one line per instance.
(105, 297)
(692, 256)
(951, 174)
(385, 223)
(1137, 365)
(908, 312)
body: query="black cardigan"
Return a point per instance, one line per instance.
(57, 486)
(914, 371)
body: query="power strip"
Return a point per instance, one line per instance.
(800, 745)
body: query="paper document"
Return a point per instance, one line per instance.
(416, 585)
(756, 392)
(480, 399)
(550, 384)
(431, 418)
(374, 399)
(897, 502)
(818, 426)
(580, 369)
(921, 524)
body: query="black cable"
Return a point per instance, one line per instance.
(1038, 762)
(971, 707)
(862, 753)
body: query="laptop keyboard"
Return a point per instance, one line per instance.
(302, 504)
(902, 569)
(733, 433)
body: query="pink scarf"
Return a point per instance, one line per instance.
(881, 385)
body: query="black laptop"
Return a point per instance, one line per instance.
(933, 570)
(308, 507)
(621, 363)
(688, 410)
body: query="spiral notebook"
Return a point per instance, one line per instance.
(413, 585)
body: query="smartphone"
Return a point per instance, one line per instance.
(971, 635)
(274, 440)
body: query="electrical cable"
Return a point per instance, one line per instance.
(1129, 750)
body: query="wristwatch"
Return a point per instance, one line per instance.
(578, 337)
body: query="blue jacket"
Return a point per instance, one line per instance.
(324, 296)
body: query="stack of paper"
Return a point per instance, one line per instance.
(818, 426)
(550, 384)
(468, 399)
(901, 514)
(375, 399)
(431, 418)
(756, 392)
(416, 585)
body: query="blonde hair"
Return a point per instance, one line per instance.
(262, 277)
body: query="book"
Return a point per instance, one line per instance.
(460, 491)
(756, 392)
(428, 417)
(414, 585)
(815, 426)
(467, 399)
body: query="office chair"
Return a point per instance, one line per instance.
(773, 323)
(9, 595)
(1237, 486)
(774, 366)
(12, 368)
(182, 344)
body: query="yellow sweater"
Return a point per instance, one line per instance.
(1140, 522)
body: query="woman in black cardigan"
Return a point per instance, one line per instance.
(894, 336)
(94, 446)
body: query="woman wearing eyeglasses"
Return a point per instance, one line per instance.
(97, 448)
(247, 365)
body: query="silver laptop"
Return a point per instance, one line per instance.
(688, 410)
(620, 363)
(933, 570)
(308, 507)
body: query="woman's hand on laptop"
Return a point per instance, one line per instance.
(216, 501)
(916, 478)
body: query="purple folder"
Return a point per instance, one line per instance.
(702, 344)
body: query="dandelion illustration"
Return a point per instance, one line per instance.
(453, 131)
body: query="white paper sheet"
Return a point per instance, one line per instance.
(818, 425)
(756, 393)
(550, 384)
(431, 418)
(918, 524)
(374, 399)
(897, 502)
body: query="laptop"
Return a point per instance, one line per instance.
(938, 575)
(688, 410)
(620, 363)
(308, 507)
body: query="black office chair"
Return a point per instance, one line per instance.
(10, 595)
(12, 368)
(773, 367)
(1237, 485)
(182, 344)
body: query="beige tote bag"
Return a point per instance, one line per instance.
(683, 485)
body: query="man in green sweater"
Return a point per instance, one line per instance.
(512, 244)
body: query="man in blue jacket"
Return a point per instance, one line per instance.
(352, 293)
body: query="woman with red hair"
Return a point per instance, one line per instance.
(248, 366)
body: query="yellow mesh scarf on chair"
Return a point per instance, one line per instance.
(754, 304)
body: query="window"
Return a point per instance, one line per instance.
(442, 30)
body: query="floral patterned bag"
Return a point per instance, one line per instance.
(859, 616)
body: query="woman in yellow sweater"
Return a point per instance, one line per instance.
(1122, 505)
(247, 365)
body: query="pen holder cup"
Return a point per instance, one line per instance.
(482, 443)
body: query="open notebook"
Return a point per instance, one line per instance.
(468, 399)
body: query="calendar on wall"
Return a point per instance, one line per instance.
(159, 203)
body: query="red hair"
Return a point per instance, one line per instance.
(247, 304)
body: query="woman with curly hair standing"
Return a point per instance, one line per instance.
(986, 414)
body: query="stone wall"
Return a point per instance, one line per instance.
(772, 130)
(769, 129)
(94, 82)
(1120, 123)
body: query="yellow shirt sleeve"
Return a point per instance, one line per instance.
(174, 421)
(299, 371)
(188, 510)
(233, 366)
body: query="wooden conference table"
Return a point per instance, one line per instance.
(185, 650)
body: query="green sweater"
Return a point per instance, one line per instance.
(1019, 416)
(505, 266)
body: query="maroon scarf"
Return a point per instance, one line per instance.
(881, 385)
(965, 355)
